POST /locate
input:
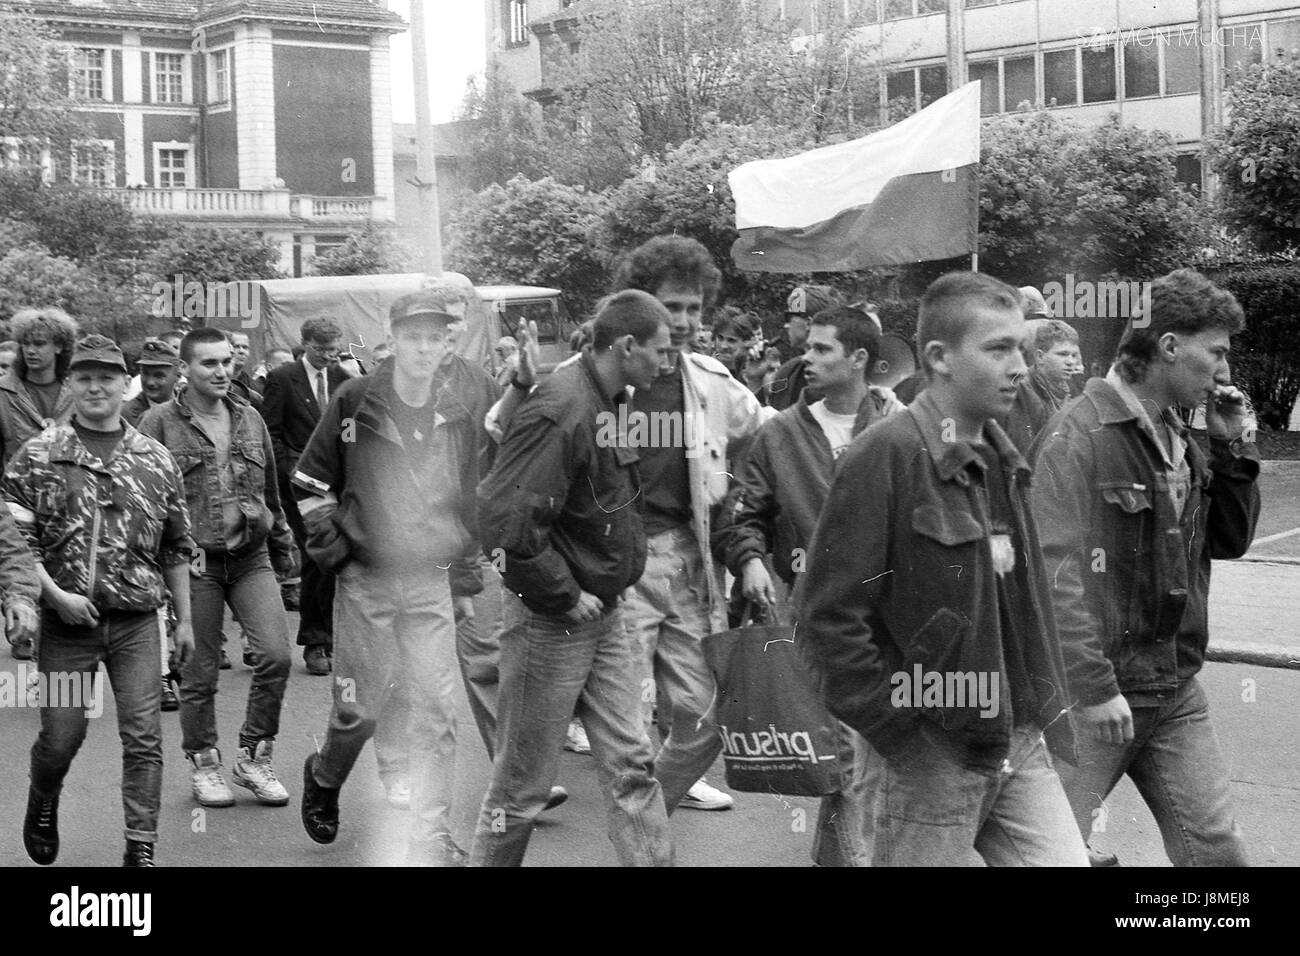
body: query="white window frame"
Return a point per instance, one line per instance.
(188, 149)
(110, 158)
(74, 80)
(187, 78)
(225, 98)
(509, 31)
(10, 146)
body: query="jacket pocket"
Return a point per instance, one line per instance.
(949, 527)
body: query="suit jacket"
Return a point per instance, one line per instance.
(291, 411)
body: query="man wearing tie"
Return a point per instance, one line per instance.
(296, 395)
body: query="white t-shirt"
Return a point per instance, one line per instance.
(837, 428)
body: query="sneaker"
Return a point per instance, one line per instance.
(170, 701)
(701, 796)
(320, 805)
(1100, 858)
(576, 738)
(41, 828)
(399, 795)
(206, 781)
(22, 651)
(557, 797)
(440, 851)
(317, 661)
(253, 770)
(138, 853)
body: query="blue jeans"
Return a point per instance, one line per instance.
(548, 665)
(391, 624)
(127, 643)
(248, 585)
(667, 614)
(1179, 768)
(929, 810)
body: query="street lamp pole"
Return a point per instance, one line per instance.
(426, 172)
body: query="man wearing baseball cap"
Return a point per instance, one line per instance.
(803, 303)
(101, 590)
(386, 491)
(159, 366)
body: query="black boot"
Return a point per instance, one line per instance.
(41, 828)
(138, 853)
(320, 806)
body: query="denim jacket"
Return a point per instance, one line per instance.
(1130, 576)
(105, 530)
(901, 574)
(253, 463)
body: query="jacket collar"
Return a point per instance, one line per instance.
(375, 408)
(1116, 402)
(866, 413)
(952, 458)
(234, 403)
(593, 379)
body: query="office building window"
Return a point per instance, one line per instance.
(1283, 37)
(1188, 166)
(92, 74)
(1060, 83)
(1243, 46)
(1098, 75)
(987, 74)
(934, 83)
(931, 6)
(897, 9)
(1141, 69)
(916, 88)
(219, 77)
(1018, 78)
(516, 17)
(1182, 63)
(171, 166)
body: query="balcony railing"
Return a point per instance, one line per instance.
(245, 204)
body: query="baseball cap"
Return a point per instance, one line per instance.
(433, 304)
(810, 299)
(97, 350)
(157, 352)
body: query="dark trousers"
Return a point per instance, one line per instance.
(316, 590)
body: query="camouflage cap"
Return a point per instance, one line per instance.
(97, 350)
(157, 352)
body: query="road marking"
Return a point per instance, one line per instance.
(1276, 537)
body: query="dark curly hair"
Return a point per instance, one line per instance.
(1182, 301)
(677, 259)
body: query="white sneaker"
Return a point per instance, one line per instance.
(701, 796)
(253, 770)
(576, 738)
(206, 781)
(399, 795)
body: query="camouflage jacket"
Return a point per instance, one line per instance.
(102, 529)
(18, 580)
(19, 417)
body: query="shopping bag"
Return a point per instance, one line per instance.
(777, 735)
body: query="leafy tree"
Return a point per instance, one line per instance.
(32, 277)
(1266, 356)
(35, 106)
(509, 136)
(213, 255)
(1058, 197)
(1257, 154)
(531, 233)
(371, 251)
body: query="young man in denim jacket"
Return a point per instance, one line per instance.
(1132, 515)
(224, 451)
(925, 608)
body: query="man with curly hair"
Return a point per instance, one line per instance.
(1131, 514)
(33, 395)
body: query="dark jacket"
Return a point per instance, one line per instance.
(1129, 577)
(901, 574)
(134, 410)
(564, 507)
(291, 411)
(253, 462)
(788, 384)
(20, 419)
(378, 505)
(1028, 416)
(778, 491)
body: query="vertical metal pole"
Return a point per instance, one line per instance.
(425, 169)
(1207, 25)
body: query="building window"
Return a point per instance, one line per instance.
(172, 165)
(516, 16)
(168, 78)
(94, 163)
(1019, 80)
(1243, 46)
(1098, 75)
(1188, 166)
(92, 74)
(910, 90)
(25, 154)
(987, 74)
(897, 9)
(219, 77)
(1141, 69)
(1283, 37)
(1182, 63)
(1060, 82)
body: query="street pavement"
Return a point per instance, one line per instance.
(1255, 710)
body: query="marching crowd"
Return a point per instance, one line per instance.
(987, 515)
